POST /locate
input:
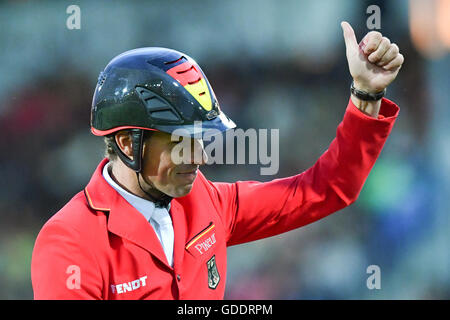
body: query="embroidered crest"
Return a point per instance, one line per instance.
(213, 273)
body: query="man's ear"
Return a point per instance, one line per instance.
(124, 142)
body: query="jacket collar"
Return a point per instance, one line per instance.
(144, 206)
(125, 221)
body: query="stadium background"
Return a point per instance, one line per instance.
(272, 64)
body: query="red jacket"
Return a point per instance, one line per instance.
(99, 247)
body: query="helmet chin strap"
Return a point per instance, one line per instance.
(163, 201)
(137, 138)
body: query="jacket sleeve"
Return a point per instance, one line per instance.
(252, 210)
(61, 267)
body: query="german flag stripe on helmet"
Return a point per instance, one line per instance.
(193, 81)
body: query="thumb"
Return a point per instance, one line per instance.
(349, 37)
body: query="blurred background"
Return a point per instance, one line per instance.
(272, 64)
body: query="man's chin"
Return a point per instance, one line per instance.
(182, 190)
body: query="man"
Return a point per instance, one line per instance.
(148, 227)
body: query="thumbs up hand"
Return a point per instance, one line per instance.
(374, 63)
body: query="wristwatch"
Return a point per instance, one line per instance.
(367, 96)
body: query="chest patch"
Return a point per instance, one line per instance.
(203, 241)
(213, 273)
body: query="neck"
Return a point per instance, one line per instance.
(127, 179)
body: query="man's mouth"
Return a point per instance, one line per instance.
(188, 176)
(189, 172)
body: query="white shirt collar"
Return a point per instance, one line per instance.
(144, 206)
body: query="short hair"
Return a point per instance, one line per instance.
(110, 153)
(110, 140)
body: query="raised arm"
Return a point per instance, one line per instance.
(253, 210)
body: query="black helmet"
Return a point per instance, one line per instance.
(155, 89)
